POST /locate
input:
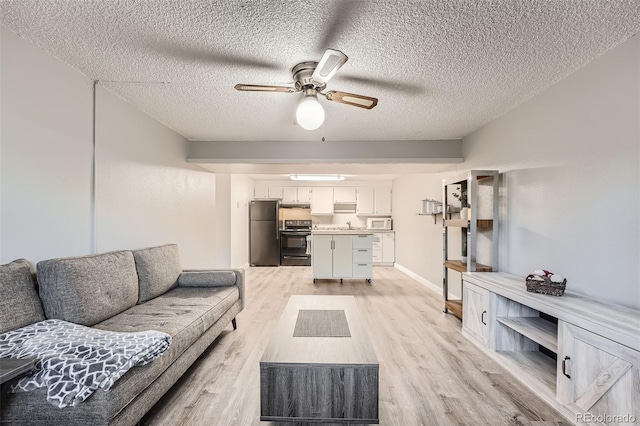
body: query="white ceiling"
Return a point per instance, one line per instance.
(441, 69)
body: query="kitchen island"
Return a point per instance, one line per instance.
(342, 253)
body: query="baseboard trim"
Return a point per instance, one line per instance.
(431, 286)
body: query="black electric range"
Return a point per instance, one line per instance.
(293, 243)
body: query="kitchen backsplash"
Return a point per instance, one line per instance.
(339, 220)
(295, 214)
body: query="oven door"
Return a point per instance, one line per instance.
(293, 242)
(293, 249)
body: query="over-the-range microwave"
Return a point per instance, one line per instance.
(381, 223)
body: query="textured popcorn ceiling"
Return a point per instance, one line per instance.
(441, 69)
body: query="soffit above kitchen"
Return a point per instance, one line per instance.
(440, 69)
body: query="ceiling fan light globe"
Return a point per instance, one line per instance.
(310, 114)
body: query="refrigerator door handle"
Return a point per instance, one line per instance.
(277, 220)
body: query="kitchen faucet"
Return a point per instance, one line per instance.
(349, 224)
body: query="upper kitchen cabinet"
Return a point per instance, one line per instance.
(373, 201)
(382, 201)
(322, 201)
(344, 195)
(267, 192)
(304, 195)
(296, 195)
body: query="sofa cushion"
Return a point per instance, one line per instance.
(207, 278)
(19, 302)
(158, 270)
(88, 289)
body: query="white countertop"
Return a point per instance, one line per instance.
(341, 232)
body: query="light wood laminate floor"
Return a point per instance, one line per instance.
(429, 373)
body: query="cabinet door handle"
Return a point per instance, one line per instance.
(482, 317)
(564, 366)
(361, 250)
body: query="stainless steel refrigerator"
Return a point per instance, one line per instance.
(264, 247)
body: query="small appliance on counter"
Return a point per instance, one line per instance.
(293, 243)
(379, 223)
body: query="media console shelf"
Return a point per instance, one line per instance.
(578, 354)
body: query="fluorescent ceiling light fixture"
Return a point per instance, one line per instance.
(317, 177)
(310, 114)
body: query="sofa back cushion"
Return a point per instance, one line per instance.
(89, 289)
(158, 270)
(19, 302)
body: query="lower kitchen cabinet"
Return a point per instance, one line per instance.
(384, 250)
(580, 355)
(363, 256)
(341, 256)
(322, 256)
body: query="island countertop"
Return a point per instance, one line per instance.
(341, 232)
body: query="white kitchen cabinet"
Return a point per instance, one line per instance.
(382, 201)
(304, 195)
(342, 256)
(296, 195)
(363, 256)
(275, 192)
(322, 256)
(373, 201)
(322, 201)
(260, 192)
(263, 192)
(331, 256)
(364, 201)
(377, 248)
(384, 250)
(388, 247)
(290, 195)
(344, 195)
(597, 375)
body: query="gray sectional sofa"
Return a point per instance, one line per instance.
(119, 291)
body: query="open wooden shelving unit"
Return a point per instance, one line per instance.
(469, 231)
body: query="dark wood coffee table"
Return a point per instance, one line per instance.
(11, 369)
(319, 366)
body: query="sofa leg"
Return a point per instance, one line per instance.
(233, 323)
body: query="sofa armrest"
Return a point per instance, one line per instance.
(214, 278)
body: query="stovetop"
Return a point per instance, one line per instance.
(297, 225)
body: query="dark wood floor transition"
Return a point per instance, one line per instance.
(429, 373)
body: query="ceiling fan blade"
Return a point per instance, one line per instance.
(351, 99)
(263, 88)
(331, 62)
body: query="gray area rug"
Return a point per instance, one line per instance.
(321, 323)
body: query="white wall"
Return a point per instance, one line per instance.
(570, 159)
(146, 193)
(418, 239)
(46, 152)
(241, 193)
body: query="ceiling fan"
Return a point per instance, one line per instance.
(311, 78)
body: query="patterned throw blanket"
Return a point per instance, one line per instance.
(74, 361)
